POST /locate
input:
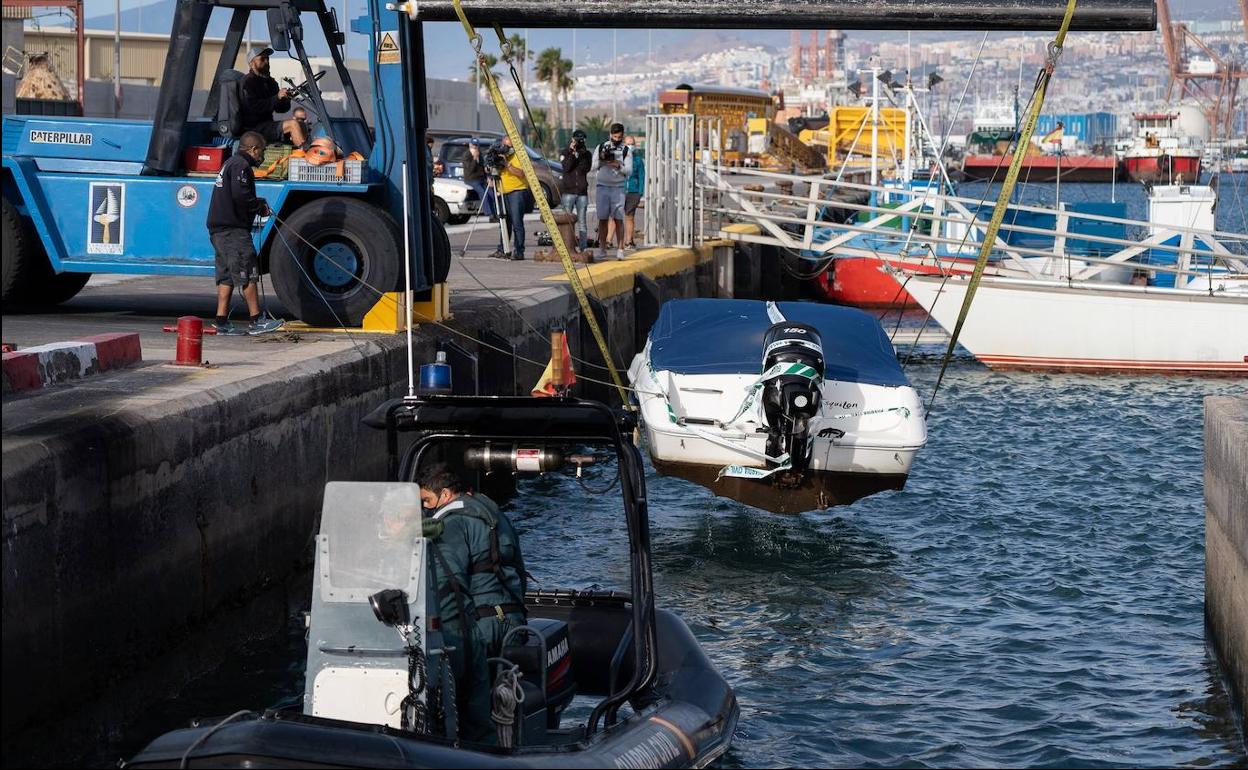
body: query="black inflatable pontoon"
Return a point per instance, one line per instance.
(658, 700)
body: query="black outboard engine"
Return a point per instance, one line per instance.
(791, 398)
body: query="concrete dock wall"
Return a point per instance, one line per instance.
(1226, 537)
(126, 531)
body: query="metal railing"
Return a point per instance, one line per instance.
(670, 164)
(921, 226)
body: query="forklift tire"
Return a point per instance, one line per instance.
(441, 211)
(332, 258)
(441, 252)
(57, 288)
(15, 257)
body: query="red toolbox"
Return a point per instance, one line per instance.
(207, 159)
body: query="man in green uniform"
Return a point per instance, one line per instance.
(497, 577)
(451, 565)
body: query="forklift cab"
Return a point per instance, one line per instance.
(221, 122)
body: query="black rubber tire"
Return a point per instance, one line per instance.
(441, 211)
(358, 225)
(461, 219)
(441, 252)
(551, 198)
(28, 280)
(13, 259)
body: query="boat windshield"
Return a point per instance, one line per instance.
(367, 540)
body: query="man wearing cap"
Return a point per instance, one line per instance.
(614, 164)
(260, 97)
(576, 162)
(475, 177)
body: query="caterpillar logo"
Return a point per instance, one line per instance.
(60, 137)
(556, 653)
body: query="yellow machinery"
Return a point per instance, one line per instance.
(747, 129)
(849, 133)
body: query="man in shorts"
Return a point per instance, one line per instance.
(259, 97)
(614, 164)
(231, 210)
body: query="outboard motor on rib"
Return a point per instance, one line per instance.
(793, 366)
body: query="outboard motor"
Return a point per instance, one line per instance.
(791, 397)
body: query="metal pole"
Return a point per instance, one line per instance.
(614, 86)
(346, 37)
(572, 95)
(477, 91)
(407, 286)
(116, 58)
(875, 127)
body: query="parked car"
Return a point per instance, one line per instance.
(549, 173)
(442, 135)
(453, 200)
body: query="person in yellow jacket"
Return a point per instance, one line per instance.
(501, 161)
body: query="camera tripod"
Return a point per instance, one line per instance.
(500, 209)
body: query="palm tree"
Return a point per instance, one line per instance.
(490, 61)
(565, 85)
(594, 125)
(520, 55)
(549, 68)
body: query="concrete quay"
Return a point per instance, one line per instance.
(1226, 538)
(141, 505)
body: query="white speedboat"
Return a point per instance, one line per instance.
(786, 406)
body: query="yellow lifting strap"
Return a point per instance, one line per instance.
(1007, 187)
(548, 218)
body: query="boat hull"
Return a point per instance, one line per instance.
(1043, 168)
(1162, 168)
(1036, 325)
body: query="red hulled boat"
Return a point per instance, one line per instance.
(1158, 155)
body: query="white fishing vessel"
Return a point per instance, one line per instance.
(786, 406)
(1175, 300)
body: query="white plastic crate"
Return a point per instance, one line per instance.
(302, 171)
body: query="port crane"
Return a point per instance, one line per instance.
(1212, 84)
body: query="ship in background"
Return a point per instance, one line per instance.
(1076, 146)
(1162, 152)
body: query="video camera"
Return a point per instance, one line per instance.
(497, 157)
(606, 152)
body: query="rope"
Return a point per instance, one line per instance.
(1007, 188)
(507, 697)
(543, 206)
(201, 740)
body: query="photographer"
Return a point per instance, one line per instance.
(476, 178)
(501, 163)
(577, 161)
(614, 164)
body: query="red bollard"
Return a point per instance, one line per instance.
(190, 348)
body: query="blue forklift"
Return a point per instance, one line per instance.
(91, 195)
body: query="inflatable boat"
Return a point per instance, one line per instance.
(378, 688)
(788, 406)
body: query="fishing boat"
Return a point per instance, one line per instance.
(1159, 154)
(1173, 301)
(789, 407)
(379, 690)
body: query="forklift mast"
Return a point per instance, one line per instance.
(397, 70)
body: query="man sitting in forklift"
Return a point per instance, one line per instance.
(259, 97)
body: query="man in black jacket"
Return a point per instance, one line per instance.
(231, 210)
(576, 160)
(259, 97)
(475, 177)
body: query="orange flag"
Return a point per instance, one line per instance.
(546, 384)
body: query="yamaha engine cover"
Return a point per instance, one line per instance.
(791, 398)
